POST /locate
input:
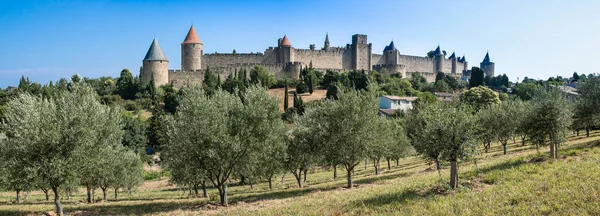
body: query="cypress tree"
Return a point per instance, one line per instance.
(285, 98)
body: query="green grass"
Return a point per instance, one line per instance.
(520, 183)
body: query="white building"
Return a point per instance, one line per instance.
(388, 105)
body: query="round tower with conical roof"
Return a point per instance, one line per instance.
(454, 62)
(155, 65)
(487, 65)
(465, 64)
(192, 50)
(392, 54)
(438, 60)
(286, 51)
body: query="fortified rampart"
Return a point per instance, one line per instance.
(286, 61)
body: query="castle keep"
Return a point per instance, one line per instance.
(286, 61)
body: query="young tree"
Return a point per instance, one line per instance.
(126, 87)
(259, 75)
(550, 118)
(224, 132)
(211, 82)
(447, 130)
(298, 104)
(487, 127)
(301, 151)
(52, 137)
(130, 174)
(286, 97)
(391, 143)
(134, 134)
(344, 127)
(587, 113)
(502, 120)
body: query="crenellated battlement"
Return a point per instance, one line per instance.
(284, 60)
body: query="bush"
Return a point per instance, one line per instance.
(111, 99)
(145, 103)
(301, 88)
(281, 83)
(153, 175)
(130, 105)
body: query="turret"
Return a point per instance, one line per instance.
(326, 45)
(454, 61)
(192, 50)
(438, 60)
(155, 65)
(286, 53)
(487, 65)
(465, 64)
(391, 54)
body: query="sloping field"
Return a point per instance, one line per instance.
(519, 183)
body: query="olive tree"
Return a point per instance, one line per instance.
(301, 149)
(587, 113)
(222, 132)
(344, 127)
(52, 136)
(500, 121)
(130, 172)
(550, 117)
(390, 143)
(446, 129)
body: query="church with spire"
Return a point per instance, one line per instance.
(285, 60)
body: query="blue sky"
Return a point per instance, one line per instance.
(47, 40)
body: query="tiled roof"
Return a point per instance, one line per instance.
(285, 41)
(155, 53)
(192, 37)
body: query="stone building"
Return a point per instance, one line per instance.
(285, 60)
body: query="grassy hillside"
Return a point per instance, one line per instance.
(520, 183)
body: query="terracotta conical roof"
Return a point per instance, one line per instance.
(285, 41)
(192, 37)
(155, 53)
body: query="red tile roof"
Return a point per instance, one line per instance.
(285, 41)
(192, 37)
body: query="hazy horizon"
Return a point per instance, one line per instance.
(46, 40)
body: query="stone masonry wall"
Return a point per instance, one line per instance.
(332, 59)
(416, 63)
(222, 60)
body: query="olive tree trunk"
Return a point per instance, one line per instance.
(223, 195)
(454, 174)
(334, 171)
(57, 204)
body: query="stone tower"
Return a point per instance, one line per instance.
(392, 54)
(438, 60)
(156, 65)
(326, 45)
(465, 64)
(360, 52)
(454, 61)
(286, 51)
(192, 50)
(487, 65)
